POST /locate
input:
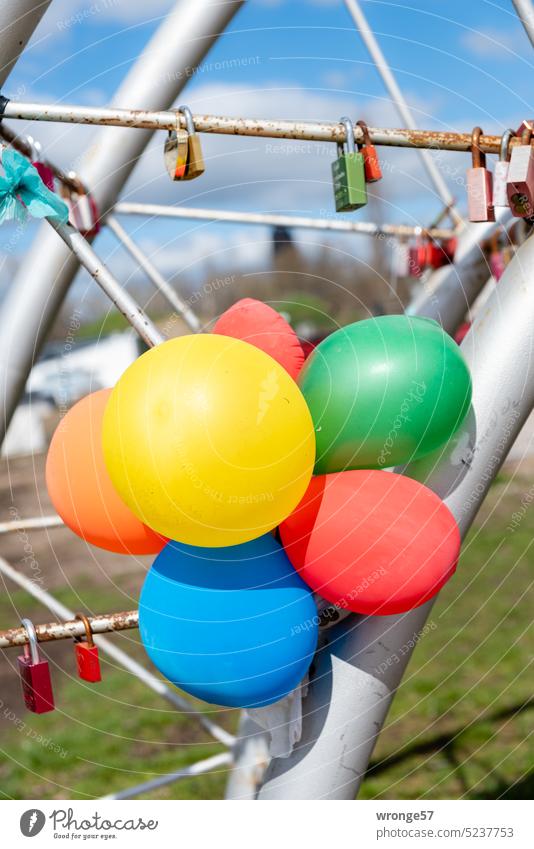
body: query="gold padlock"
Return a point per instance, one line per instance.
(176, 152)
(195, 160)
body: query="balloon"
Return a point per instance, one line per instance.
(80, 487)
(208, 440)
(260, 325)
(371, 541)
(384, 391)
(234, 626)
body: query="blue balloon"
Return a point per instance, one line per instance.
(234, 626)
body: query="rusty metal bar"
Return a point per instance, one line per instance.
(103, 624)
(223, 215)
(274, 128)
(132, 312)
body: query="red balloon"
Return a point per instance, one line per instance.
(372, 541)
(258, 324)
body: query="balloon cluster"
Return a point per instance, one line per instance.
(209, 443)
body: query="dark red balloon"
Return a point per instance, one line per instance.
(372, 541)
(258, 324)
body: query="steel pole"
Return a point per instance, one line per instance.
(355, 10)
(45, 275)
(18, 20)
(449, 292)
(274, 219)
(354, 681)
(525, 13)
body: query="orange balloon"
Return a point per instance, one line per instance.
(80, 487)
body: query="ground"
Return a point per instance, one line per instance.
(460, 725)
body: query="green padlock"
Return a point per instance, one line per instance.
(348, 172)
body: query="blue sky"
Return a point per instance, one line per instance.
(458, 63)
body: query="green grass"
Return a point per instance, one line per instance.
(459, 725)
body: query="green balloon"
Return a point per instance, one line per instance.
(384, 391)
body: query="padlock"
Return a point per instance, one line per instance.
(527, 124)
(417, 257)
(373, 172)
(479, 184)
(520, 183)
(175, 152)
(195, 161)
(87, 658)
(35, 675)
(45, 172)
(348, 173)
(435, 255)
(83, 211)
(500, 175)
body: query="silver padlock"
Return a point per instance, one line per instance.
(520, 183)
(502, 167)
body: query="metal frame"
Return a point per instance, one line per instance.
(348, 697)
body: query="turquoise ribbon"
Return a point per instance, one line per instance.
(23, 193)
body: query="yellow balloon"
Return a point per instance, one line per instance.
(208, 440)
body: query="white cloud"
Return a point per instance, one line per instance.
(489, 43)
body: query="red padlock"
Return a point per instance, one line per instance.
(83, 211)
(87, 654)
(479, 183)
(417, 257)
(435, 257)
(371, 165)
(35, 675)
(520, 182)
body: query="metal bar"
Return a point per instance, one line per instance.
(31, 524)
(354, 681)
(131, 665)
(198, 768)
(171, 296)
(132, 312)
(298, 222)
(369, 39)
(257, 127)
(18, 20)
(105, 623)
(48, 268)
(449, 292)
(525, 13)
